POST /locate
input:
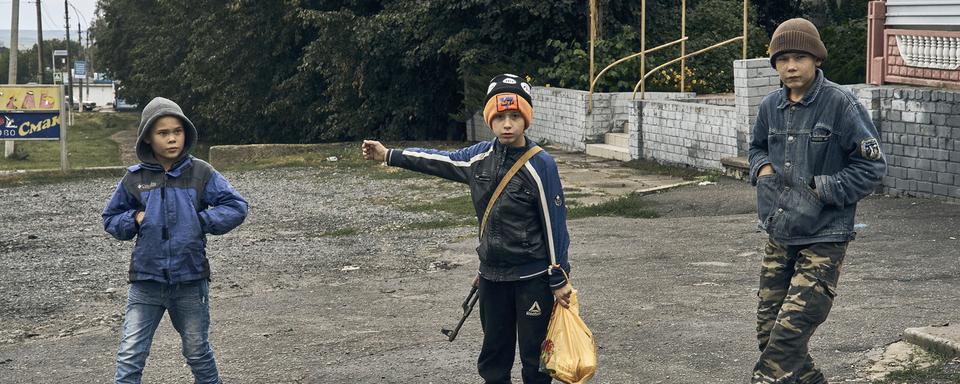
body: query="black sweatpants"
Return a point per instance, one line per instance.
(509, 311)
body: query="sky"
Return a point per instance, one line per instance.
(52, 12)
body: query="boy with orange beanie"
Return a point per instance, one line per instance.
(523, 234)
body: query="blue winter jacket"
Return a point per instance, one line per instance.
(526, 232)
(181, 206)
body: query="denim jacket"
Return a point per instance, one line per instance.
(826, 155)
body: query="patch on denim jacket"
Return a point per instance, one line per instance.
(870, 149)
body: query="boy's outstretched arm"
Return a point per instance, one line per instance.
(227, 209)
(120, 216)
(453, 166)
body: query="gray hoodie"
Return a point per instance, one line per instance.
(155, 109)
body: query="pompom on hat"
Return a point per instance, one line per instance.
(796, 35)
(508, 92)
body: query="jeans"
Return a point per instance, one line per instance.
(190, 314)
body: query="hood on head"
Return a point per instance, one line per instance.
(155, 109)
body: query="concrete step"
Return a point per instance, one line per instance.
(943, 339)
(617, 139)
(608, 151)
(736, 167)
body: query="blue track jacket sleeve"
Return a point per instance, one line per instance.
(227, 209)
(454, 166)
(553, 210)
(867, 163)
(118, 215)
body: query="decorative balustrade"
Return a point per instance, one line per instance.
(937, 52)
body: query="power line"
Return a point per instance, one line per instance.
(77, 12)
(46, 14)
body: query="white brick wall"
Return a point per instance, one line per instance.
(920, 135)
(560, 116)
(919, 128)
(697, 135)
(752, 80)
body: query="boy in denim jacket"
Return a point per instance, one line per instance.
(814, 154)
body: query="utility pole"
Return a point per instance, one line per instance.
(39, 45)
(66, 10)
(80, 91)
(89, 60)
(8, 147)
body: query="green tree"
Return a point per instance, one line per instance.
(843, 28)
(711, 22)
(325, 70)
(708, 22)
(770, 13)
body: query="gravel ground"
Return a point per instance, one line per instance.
(65, 277)
(327, 283)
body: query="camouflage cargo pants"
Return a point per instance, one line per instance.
(797, 287)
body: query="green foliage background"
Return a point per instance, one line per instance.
(331, 70)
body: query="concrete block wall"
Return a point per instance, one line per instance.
(919, 127)
(561, 116)
(752, 80)
(920, 134)
(477, 129)
(697, 135)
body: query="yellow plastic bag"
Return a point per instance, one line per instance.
(568, 353)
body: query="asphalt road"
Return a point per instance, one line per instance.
(327, 283)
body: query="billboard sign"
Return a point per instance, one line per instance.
(28, 98)
(29, 126)
(31, 112)
(80, 68)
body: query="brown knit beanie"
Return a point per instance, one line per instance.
(796, 35)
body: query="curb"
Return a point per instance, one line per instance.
(93, 171)
(943, 340)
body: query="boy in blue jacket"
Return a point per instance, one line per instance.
(523, 246)
(169, 202)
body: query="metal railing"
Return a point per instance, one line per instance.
(643, 51)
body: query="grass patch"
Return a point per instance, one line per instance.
(348, 159)
(88, 144)
(438, 224)
(686, 173)
(632, 206)
(461, 206)
(340, 232)
(53, 177)
(944, 370)
(934, 374)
